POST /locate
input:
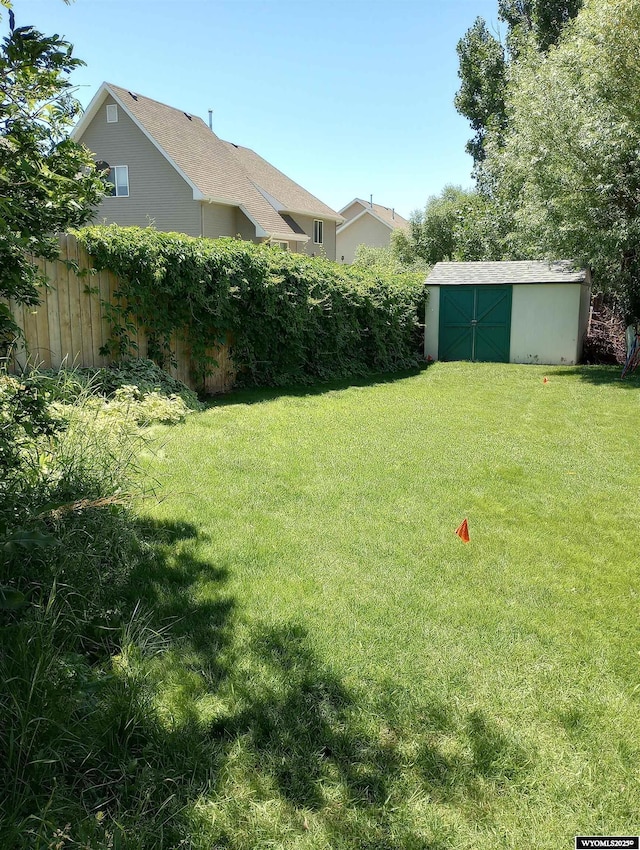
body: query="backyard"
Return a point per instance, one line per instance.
(336, 668)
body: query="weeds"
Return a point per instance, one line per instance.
(75, 642)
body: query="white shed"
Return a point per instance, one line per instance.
(507, 312)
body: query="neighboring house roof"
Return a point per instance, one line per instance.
(205, 162)
(289, 197)
(517, 271)
(386, 215)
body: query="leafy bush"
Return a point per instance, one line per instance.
(288, 317)
(69, 385)
(386, 260)
(27, 426)
(68, 549)
(129, 404)
(146, 376)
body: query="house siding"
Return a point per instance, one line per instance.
(158, 195)
(352, 210)
(328, 248)
(218, 220)
(244, 228)
(366, 231)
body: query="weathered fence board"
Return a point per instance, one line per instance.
(69, 327)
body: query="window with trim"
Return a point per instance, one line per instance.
(112, 113)
(318, 232)
(119, 179)
(283, 245)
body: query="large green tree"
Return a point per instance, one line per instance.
(484, 63)
(569, 166)
(540, 20)
(480, 97)
(457, 224)
(48, 182)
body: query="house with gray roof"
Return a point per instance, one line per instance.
(511, 312)
(365, 223)
(170, 170)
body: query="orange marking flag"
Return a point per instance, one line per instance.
(463, 531)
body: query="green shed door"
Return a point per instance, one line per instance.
(475, 323)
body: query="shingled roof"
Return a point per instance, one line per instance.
(290, 197)
(387, 215)
(505, 272)
(212, 167)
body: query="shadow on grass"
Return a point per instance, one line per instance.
(458, 766)
(185, 594)
(252, 395)
(211, 731)
(599, 375)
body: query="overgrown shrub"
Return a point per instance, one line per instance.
(288, 317)
(27, 426)
(129, 403)
(69, 385)
(386, 260)
(73, 698)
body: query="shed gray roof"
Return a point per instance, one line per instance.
(505, 272)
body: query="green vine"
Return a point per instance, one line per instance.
(289, 317)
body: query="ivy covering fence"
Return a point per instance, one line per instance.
(289, 318)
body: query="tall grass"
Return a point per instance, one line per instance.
(74, 639)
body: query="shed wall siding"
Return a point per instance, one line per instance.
(218, 220)
(432, 324)
(366, 231)
(545, 323)
(158, 196)
(585, 304)
(548, 322)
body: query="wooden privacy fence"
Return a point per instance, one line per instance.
(69, 328)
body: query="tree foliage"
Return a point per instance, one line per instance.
(569, 167)
(47, 182)
(480, 97)
(385, 260)
(458, 224)
(543, 20)
(485, 62)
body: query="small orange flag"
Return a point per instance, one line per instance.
(463, 531)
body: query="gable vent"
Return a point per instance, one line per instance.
(112, 113)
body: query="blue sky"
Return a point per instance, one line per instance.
(348, 98)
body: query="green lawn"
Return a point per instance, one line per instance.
(341, 671)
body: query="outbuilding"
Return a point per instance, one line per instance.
(507, 312)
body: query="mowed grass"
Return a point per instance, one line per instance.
(343, 671)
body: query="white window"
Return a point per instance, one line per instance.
(318, 227)
(112, 113)
(283, 245)
(119, 178)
